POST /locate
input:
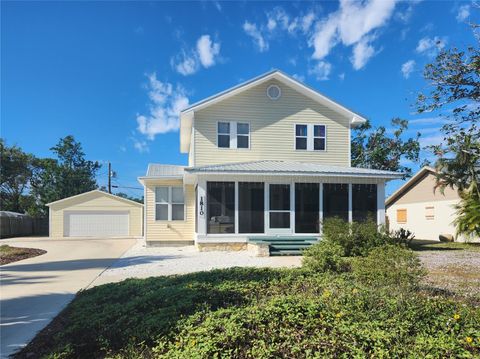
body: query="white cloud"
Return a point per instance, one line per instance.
(207, 50)
(463, 13)
(141, 146)
(352, 25)
(431, 46)
(362, 52)
(321, 70)
(407, 68)
(252, 31)
(165, 104)
(186, 64)
(206, 54)
(341, 76)
(307, 21)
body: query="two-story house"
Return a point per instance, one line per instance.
(269, 157)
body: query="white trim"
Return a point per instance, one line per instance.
(187, 115)
(350, 203)
(320, 207)
(96, 191)
(380, 203)
(235, 216)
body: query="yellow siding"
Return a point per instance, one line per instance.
(271, 128)
(94, 201)
(169, 230)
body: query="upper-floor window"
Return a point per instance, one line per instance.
(169, 203)
(310, 137)
(233, 134)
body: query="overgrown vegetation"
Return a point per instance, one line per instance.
(368, 305)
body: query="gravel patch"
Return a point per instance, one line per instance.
(142, 262)
(453, 270)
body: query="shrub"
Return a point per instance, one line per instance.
(325, 256)
(403, 237)
(389, 265)
(357, 238)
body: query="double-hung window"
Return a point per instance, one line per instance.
(310, 137)
(233, 134)
(301, 137)
(169, 203)
(319, 137)
(223, 131)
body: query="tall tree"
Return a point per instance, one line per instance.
(373, 147)
(16, 172)
(454, 79)
(66, 176)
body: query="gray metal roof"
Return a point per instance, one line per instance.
(158, 170)
(289, 167)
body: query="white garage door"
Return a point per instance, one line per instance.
(96, 224)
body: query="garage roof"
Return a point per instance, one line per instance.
(99, 192)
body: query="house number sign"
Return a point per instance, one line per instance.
(201, 212)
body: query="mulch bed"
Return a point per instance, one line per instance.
(13, 254)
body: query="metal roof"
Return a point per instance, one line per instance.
(290, 167)
(158, 170)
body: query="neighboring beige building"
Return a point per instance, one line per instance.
(422, 209)
(268, 158)
(95, 214)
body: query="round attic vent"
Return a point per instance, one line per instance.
(274, 92)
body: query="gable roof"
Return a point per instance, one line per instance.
(99, 192)
(290, 167)
(187, 115)
(409, 184)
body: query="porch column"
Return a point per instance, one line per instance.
(320, 207)
(381, 203)
(236, 206)
(202, 207)
(350, 205)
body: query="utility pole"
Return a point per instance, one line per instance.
(109, 177)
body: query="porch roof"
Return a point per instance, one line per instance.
(290, 168)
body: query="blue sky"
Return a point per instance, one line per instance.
(115, 74)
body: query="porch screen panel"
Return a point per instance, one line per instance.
(279, 205)
(335, 201)
(220, 207)
(364, 202)
(307, 207)
(251, 204)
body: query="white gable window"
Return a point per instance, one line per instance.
(223, 131)
(310, 137)
(233, 134)
(301, 137)
(169, 204)
(319, 138)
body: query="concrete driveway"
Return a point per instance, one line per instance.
(35, 290)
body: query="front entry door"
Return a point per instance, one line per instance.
(279, 209)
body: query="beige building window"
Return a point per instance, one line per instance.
(169, 204)
(429, 212)
(401, 216)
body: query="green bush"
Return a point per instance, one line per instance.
(357, 238)
(325, 256)
(389, 265)
(261, 313)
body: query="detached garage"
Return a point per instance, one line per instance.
(95, 214)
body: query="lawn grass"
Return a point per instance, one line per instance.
(10, 254)
(260, 313)
(425, 245)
